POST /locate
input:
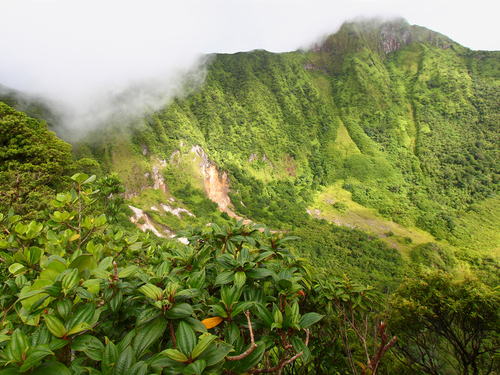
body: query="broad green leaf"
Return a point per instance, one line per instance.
(147, 335)
(129, 271)
(17, 269)
(21, 228)
(264, 315)
(259, 273)
(82, 314)
(80, 177)
(185, 338)
(16, 346)
(278, 317)
(90, 345)
(92, 285)
(57, 344)
(109, 358)
(195, 324)
(79, 328)
(125, 341)
(49, 274)
(100, 274)
(124, 362)
(309, 319)
(56, 264)
(299, 346)
(52, 368)
(55, 326)
(224, 278)
(9, 371)
(89, 180)
(140, 368)
(116, 302)
(227, 261)
(105, 263)
(151, 291)
(216, 353)
(195, 368)
(40, 336)
(240, 278)
(176, 355)
(179, 311)
(40, 352)
(54, 290)
(219, 311)
(135, 246)
(203, 345)
(239, 307)
(81, 263)
(70, 280)
(34, 255)
(64, 307)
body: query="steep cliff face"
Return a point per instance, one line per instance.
(216, 182)
(372, 36)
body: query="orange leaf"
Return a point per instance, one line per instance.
(212, 322)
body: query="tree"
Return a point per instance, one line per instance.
(359, 312)
(33, 162)
(446, 322)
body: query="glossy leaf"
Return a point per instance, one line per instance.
(176, 355)
(186, 338)
(124, 362)
(55, 326)
(40, 352)
(202, 345)
(147, 335)
(309, 319)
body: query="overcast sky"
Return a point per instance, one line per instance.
(71, 48)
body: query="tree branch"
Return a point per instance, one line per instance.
(252, 344)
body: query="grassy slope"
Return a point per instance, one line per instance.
(406, 140)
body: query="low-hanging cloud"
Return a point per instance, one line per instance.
(100, 58)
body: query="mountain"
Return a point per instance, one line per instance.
(378, 146)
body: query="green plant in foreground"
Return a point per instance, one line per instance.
(79, 297)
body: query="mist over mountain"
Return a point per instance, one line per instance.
(383, 127)
(258, 212)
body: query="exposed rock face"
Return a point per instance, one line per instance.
(392, 38)
(140, 215)
(216, 183)
(148, 225)
(175, 211)
(217, 187)
(158, 180)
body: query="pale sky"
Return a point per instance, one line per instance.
(70, 48)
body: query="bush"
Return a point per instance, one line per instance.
(80, 296)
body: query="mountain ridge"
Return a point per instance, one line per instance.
(393, 121)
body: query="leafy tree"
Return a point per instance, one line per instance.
(33, 162)
(360, 313)
(446, 322)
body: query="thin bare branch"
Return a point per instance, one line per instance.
(252, 344)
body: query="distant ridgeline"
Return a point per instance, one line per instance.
(389, 132)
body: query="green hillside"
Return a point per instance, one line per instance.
(335, 212)
(387, 128)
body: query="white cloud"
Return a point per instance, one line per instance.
(70, 50)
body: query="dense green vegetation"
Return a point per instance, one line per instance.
(382, 125)
(33, 162)
(80, 295)
(404, 118)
